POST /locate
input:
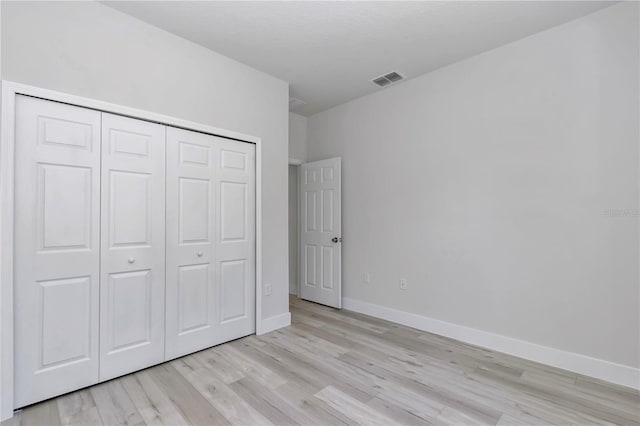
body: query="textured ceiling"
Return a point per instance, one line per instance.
(328, 51)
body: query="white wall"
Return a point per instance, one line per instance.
(297, 137)
(489, 185)
(91, 50)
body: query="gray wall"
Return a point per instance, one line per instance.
(297, 137)
(91, 50)
(489, 184)
(293, 229)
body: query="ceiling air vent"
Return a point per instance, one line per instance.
(295, 103)
(387, 79)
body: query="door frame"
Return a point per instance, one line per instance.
(9, 91)
(297, 163)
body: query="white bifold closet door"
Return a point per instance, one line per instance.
(210, 241)
(57, 248)
(132, 239)
(134, 244)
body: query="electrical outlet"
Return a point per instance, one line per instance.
(366, 278)
(403, 283)
(267, 289)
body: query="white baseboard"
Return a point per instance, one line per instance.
(577, 363)
(274, 323)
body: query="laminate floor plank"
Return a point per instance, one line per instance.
(359, 383)
(356, 410)
(335, 367)
(45, 414)
(314, 372)
(78, 408)
(435, 392)
(221, 366)
(114, 404)
(276, 365)
(269, 404)
(398, 414)
(218, 393)
(152, 403)
(249, 367)
(315, 408)
(193, 406)
(319, 311)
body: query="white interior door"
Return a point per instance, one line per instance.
(321, 232)
(133, 247)
(210, 241)
(57, 237)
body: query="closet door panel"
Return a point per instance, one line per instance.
(133, 246)
(191, 215)
(210, 241)
(235, 242)
(57, 225)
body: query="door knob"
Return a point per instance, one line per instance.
(131, 260)
(337, 239)
(200, 254)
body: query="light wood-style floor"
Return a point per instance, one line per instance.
(337, 367)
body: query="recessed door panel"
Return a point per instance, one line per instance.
(234, 286)
(64, 207)
(310, 207)
(129, 208)
(326, 261)
(195, 210)
(65, 334)
(327, 174)
(233, 160)
(327, 210)
(193, 305)
(310, 264)
(193, 154)
(129, 310)
(57, 213)
(233, 206)
(126, 143)
(309, 176)
(56, 131)
(321, 227)
(133, 233)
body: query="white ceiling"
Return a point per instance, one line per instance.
(328, 51)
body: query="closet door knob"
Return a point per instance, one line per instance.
(200, 254)
(131, 260)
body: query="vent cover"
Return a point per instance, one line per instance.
(387, 79)
(295, 103)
